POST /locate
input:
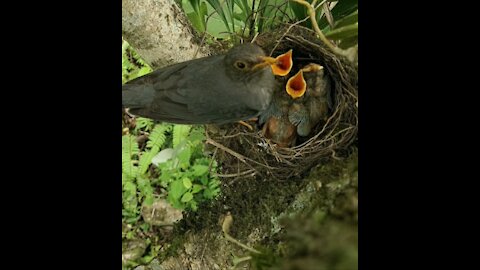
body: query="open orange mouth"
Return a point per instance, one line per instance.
(296, 85)
(281, 65)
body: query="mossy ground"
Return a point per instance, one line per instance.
(308, 223)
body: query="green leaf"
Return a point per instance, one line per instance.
(187, 183)
(204, 179)
(145, 124)
(350, 19)
(196, 21)
(183, 156)
(240, 16)
(167, 175)
(199, 170)
(129, 200)
(143, 71)
(212, 189)
(244, 6)
(196, 188)
(272, 12)
(157, 138)
(180, 133)
(129, 149)
(193, 205)
(220, 9)
(342, 9)
(125, 46)
(246, 11)
(343, 32)
(145, 227)
(207, 193)
(146, 190)
(348, 42)
(177, 189)
(299, 11)
(203, 9)
(146, 160)
(187, 197)
(197, 16)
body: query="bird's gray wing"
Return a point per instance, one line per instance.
(193, 92)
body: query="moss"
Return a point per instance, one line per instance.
(320, 230)
(308, 223)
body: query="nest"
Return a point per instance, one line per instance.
(247, 153)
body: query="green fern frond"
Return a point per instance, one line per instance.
(126, 178)
(157, 137)
(138, 59)
(180, 133)
(155, 141)
(146, 190)
(129, 149)
(145, 124)
(146, 160)
(196, 136)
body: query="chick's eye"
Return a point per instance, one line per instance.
(240, 65)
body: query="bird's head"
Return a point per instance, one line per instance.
(245, 59)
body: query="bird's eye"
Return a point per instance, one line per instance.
(240, 65)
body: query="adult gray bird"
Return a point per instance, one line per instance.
(210, 90)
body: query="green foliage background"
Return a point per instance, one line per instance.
(233, 19)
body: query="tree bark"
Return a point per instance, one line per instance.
(160, 32)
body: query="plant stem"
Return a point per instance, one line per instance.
(233, 240)
(311, 12)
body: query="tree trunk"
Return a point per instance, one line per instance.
(160, 32)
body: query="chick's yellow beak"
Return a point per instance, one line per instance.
(312, 67)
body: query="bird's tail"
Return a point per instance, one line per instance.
(137, 96)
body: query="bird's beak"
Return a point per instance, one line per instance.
(312, 67)
(281, 65)
(296, 85)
